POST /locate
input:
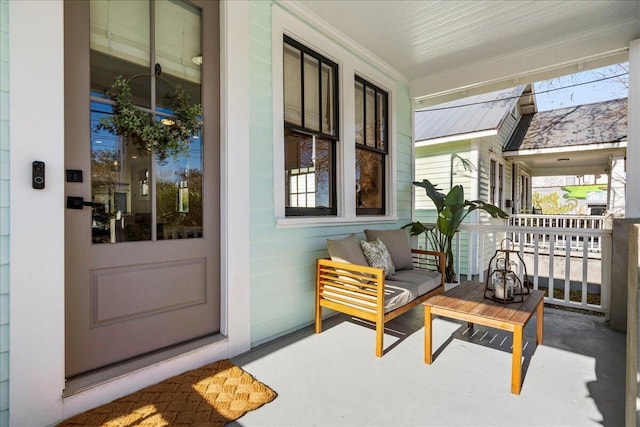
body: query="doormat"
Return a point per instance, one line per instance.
(212, 395)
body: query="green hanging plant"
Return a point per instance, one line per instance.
(167, 138)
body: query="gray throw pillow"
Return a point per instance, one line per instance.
(346, 250)
(397, 243)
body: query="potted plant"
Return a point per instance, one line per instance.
(452, 208)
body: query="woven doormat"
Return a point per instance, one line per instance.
(209, 396)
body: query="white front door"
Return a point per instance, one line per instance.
(142, 253)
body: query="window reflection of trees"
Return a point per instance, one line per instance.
(308, 170)
(174, 221)
(369, 179)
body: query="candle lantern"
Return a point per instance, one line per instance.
(506, 268)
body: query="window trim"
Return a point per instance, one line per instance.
(287, 22)
(497, 194)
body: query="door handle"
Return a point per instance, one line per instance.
(74, 202)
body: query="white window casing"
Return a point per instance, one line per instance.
(349, 65)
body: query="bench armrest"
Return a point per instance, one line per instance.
(358, 285)
(429, 260)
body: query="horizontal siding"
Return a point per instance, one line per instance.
(434, 163)
(282, 260)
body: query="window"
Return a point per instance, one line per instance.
(525, 203)
(136, 196)
(310, 131)
(371, 119)
(496, 183)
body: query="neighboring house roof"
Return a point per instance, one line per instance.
(589, 124)
(466, 118)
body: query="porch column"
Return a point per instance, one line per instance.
(632, 210)
(632, 205)
(616, 187)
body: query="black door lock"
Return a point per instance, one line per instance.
(74, 202)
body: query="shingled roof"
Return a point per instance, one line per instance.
(589, 124)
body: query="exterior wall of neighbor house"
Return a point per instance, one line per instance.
(434, 162)
(4, 213)
(519, 205)
(283, 253)
(438, 163)
(491, 148)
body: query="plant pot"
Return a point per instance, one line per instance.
(448, 286)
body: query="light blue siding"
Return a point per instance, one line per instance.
(282, 261)
(4, 213)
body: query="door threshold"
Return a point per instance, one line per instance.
(82, 382)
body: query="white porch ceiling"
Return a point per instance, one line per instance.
(451, 49)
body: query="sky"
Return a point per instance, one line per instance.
(576, 93)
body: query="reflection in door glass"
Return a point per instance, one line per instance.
(120, 186)
(137, 197)
(179, 194)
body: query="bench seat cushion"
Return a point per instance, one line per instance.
(407, 285)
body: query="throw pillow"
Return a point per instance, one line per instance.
(346, 250)
(397, 243)
(378, 256)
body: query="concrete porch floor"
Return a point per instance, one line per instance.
(575, 378)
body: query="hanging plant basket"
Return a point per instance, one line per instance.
(169, 137)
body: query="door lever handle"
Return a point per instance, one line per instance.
(74, 202)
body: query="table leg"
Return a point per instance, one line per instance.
(540, 323)
(427, 335)
(516, 364)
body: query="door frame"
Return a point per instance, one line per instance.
(36, 303)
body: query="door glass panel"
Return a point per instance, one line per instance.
(178, 180)
(120, 190)
(121, 46)
(126, 179)
(179, 194)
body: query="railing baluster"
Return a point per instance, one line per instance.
(536, 238)
(567, 273)
(469, 255)
(457, 265)
(585, 274)
(551, 261)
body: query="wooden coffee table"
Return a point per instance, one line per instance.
(466, 302)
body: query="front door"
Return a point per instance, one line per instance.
(142, 245)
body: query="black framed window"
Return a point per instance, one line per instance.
(310, 131)
(372, 147)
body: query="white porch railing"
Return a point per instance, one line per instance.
(578, 278)
(574, 222)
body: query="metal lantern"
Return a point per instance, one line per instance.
(503, 283)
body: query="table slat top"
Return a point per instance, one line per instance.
(469, 298)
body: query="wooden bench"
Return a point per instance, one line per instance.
(359, 291)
